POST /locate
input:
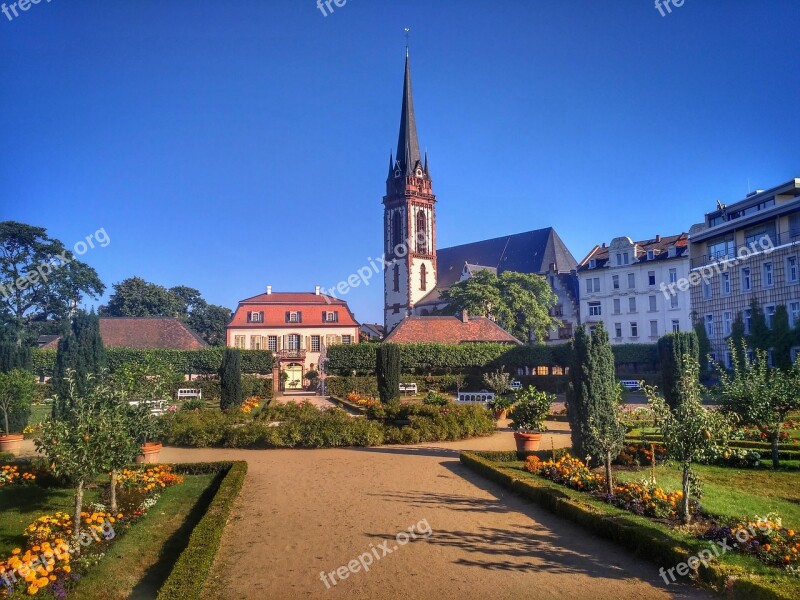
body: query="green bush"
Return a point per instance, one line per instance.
(387, 370)
(188, 577)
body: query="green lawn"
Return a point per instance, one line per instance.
(140, 561)
(737, 492)
(39, 412)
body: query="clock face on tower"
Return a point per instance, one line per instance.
(419, 172)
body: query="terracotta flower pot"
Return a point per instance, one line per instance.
(149, 453)
(11, 443)
(527, 442)
(500, 413)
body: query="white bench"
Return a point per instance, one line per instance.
(475, 397)
(408, 388)
(630, 384)
(190, 394)
(157, 407)
(516, 385)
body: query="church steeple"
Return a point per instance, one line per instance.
(408, 155)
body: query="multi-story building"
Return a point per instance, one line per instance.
(625, 285)
(743, 252)
(296, 327)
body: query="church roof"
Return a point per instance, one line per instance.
(449, 330)
(528, 252)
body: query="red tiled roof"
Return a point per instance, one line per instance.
(449, 330)
(277, 304)
(144, 332)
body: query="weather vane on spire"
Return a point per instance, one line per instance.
(408, 34)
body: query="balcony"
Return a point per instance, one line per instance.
(744, 251)
(291, 354)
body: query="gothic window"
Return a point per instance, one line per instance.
(423, 278)
(397, 278)
(397, 228)
(422, 234)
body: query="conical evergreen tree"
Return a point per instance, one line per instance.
(760, 335)
(80, 350)
(230, 379)
(782, 338)
(671, 350)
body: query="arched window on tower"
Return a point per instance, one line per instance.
(423, 278)
(397, 229)
(396, 278)
(422, 232)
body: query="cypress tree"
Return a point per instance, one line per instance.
(736, 340)
(703, 347)
(760, 335)
(387, 368)
(80, 349)
(782, 338)
(671, 350)
(13, 357)
(230, 379)
(579, 390)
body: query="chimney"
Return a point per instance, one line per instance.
(316, 290)
(465, 316)
(658, 238)
(269, 290)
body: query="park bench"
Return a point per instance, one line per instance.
(475, 397)
(631, 384)
(408, 388)
(157, 407)
(190, 394)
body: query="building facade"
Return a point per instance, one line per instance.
(626, 286)
(743, 252)
(295, 327)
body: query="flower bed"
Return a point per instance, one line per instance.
(763, 537)
(12, 474)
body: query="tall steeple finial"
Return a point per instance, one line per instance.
(408, 157)
(408, 34)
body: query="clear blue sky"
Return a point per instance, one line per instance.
(231, 145)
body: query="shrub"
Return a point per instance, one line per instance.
(436, 399)
(230, 379)
(17, 388)
(531, 410)
(671, 349)
(388, 372)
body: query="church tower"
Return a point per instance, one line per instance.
(409, 220)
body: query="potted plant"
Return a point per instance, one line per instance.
(500, 406)
(144, 426)
(17, 389)
(528, 416)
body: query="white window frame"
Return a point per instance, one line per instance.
(634, 329)
(653, 329)
(615, 281)
(653, 303)
(768, 274)
(618, 331)
(631, 281)
(595, 309)
(747, 279)
(725, 283)
(673, 275)
(617, 306)
(709, 324)
(632, 304)
(727, 322)
(794, 313)
(676, 325)
(651, 278)
(769, 315)
(792, 271)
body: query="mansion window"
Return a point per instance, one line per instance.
(255, 317)
(347, 340)
(423, 278)
(272, 343)
(238, 342)
(255, 342)
(791, 269)
(293, 342)
(330, 316)
(594, 309)
(315, 343)
(294, 316)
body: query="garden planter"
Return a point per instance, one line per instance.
(527, 442)
(500, 413)
(149, 453)
(11, 443)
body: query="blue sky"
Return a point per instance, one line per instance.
(228, 146)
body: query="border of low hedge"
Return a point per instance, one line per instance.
(643, 537)
(191, 570)
(785, 451)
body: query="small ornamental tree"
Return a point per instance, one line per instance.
(89, 438)
(17, 389)
(759, 394)
(387, 369)
(671, 350)
(80, 352)
(690, 431)
(498, 381)
(230, 379)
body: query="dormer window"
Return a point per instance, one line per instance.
(651, 254)
(673, 252)
(255, 317)
(330, 316)
(294, 316)
(592, 263)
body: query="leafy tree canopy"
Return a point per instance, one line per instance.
(519, 302)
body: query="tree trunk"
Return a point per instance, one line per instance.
(685, 500)
(114, 491)
(76, 520)
(774, 436)
(609, 479)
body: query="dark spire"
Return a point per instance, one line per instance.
(408, 156)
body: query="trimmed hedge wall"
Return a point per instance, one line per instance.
(643, 537)
(191, 570)
(201, 362)
(441, 358)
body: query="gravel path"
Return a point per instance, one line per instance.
(304, 512)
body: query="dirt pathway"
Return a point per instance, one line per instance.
(304, 512)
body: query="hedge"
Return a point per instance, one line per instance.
(643, 537)
(191, 570)
(202, 362)
(438, 358)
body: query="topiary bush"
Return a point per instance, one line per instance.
(388, 372)
(230, 379)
